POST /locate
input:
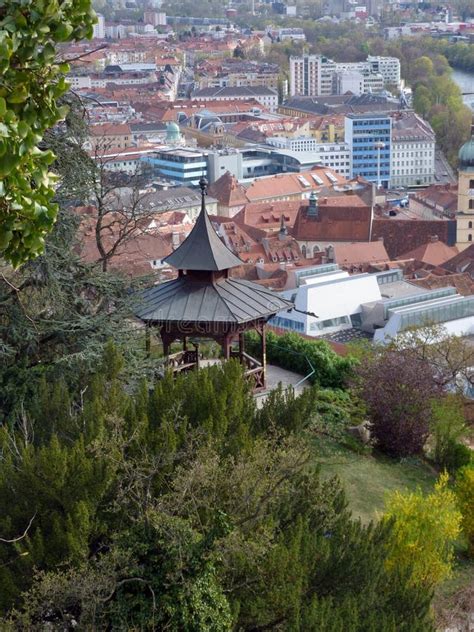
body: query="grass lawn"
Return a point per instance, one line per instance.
(367, 478)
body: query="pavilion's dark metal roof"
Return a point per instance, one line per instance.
(202, 249)
(187, 301)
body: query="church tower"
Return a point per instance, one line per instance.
(465, 214)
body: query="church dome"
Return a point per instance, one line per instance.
(172, 132)
(466, 154)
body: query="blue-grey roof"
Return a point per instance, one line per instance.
(203, 249)
(185, 301)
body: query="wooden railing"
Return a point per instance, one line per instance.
(183, 360)
(254, 369)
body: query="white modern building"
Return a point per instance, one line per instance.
(326, 298)
(315, 75)
(388, 67)
(445, 307)
(334, 155)
(329, 301)
(296, 34)
(357, 82)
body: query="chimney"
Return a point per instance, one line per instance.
(175, 240)
(313, 205)
(283, 232)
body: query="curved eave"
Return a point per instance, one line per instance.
(226, 302)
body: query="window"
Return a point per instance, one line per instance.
(471, 184)
(471, 204)
(469, 225)
(469, 237)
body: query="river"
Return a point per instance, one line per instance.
(465, 81)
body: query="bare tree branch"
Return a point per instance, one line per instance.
(23, 535)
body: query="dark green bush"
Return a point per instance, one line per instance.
(457, 455)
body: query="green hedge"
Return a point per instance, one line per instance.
(291, 351)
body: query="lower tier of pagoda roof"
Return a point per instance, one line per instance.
(228, 300)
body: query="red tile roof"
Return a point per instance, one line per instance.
(462, 262)
(345, 218)
(442, 198)
(266, 216)
(403, 235)
(434, 252)
(360, 253)
(462, 282)
(134, 256)
(228, 192)
(110, 129)
(290, 184)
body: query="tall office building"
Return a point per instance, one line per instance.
(369, 137)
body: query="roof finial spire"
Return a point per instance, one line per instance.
(203, 187)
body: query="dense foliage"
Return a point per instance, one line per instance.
(465, 495)
(32, 81)
(448, 427)
(315, 357)
(56, 314)
(397, 387)
(425, 529)
(185, 508)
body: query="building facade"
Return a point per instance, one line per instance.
(315, 75)
(413, 151)
(181, 165)
(311, 75)
(265, 96)
(337, 156)
(369, 137)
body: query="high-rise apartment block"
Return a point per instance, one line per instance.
(315, 75)
(99, 28)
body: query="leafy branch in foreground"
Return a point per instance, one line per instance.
(32, 82)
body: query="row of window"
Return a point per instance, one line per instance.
(416, 154)
(406, 172)
(287, 323)
(414, 146)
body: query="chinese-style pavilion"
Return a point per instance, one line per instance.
(205, 302)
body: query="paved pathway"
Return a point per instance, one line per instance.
(275, 375)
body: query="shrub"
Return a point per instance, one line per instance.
(424, 531)
(465, 497)
(295, 353)
(458, 456)
(398, 388)
(447, 427)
